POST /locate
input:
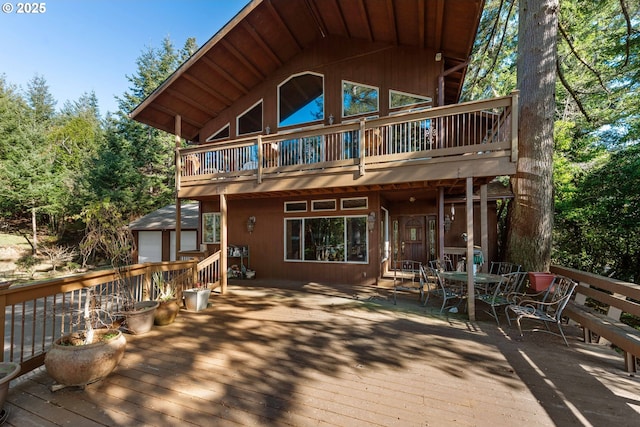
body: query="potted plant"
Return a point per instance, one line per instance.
(166, 294)
(8, 371)
(197, 299)
(88, 355)
(108, 234)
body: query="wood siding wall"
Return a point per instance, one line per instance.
(387, 67)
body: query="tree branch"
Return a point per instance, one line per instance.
(625, 12)
(573, 51)
(571, 91)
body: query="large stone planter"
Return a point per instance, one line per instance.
(8, 371)
(140, 320)
(79, 365)
(166, 312)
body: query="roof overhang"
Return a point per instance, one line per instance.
(266, 34)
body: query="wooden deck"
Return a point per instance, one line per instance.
(315, 355)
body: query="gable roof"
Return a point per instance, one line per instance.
(165, 219)
(265, 34)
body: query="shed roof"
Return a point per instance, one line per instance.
(266, 34)
(165, 219)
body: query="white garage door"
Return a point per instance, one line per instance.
(149, 246)
(188, 242)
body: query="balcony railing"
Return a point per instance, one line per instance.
(36, 315)
(479, 128)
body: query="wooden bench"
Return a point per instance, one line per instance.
(615, 297)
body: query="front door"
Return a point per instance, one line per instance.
(414, 238)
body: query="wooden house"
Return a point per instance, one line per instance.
(326, 140)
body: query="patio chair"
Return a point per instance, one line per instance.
(547, 310)
(441, 264)
(504, 293)
(504, 267)
(408, 278)
(440, 288)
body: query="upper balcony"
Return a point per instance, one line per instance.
(443, 144)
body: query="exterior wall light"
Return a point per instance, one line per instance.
(251, 223)
(371, 221)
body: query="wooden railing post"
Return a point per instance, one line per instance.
(361, 145)
(514, 124)
(260, 157)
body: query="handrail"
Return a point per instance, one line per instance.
(35, 315)
(452, 130)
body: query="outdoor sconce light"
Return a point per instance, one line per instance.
(447, 222)
(267, 130)
(251, 223)
(331, 119)
(449, 218)
(371, 221)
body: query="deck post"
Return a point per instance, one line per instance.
(470, 281)
(223, 243)
(484, 226)
(441, 223)
(178, 132)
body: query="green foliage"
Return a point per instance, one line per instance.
(597, 127)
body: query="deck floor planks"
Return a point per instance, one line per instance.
(269, 356)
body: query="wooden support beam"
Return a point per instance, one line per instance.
(471, 302)
(223, 244)
(484, 226)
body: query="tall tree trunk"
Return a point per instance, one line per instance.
(531, 222)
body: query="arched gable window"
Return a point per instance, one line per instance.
(301, 99)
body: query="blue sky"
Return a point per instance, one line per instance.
(81, 46)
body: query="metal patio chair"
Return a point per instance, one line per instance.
(440, 288)
(504, 267)
(504, 293)
(408, 278)
(547, 310)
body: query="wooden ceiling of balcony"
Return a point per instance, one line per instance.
(267, 33)
(393, 192)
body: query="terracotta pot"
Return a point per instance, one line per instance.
(166, 312)
(79, 365)
(540, 281)
(140, 320)
(8, 371)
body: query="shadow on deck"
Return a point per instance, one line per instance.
(313, 354)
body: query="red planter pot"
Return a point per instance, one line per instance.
(540, 281)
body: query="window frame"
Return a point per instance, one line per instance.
(211, 228)
(212, 137)
(366, 113)
(300, 124)
(244, 113)
(345, 239)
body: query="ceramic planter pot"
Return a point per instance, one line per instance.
(140, 320)
(79, 365)
(166, 312)
(8, 371)
(196, 299)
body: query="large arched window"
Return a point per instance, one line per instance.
(301, 99)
